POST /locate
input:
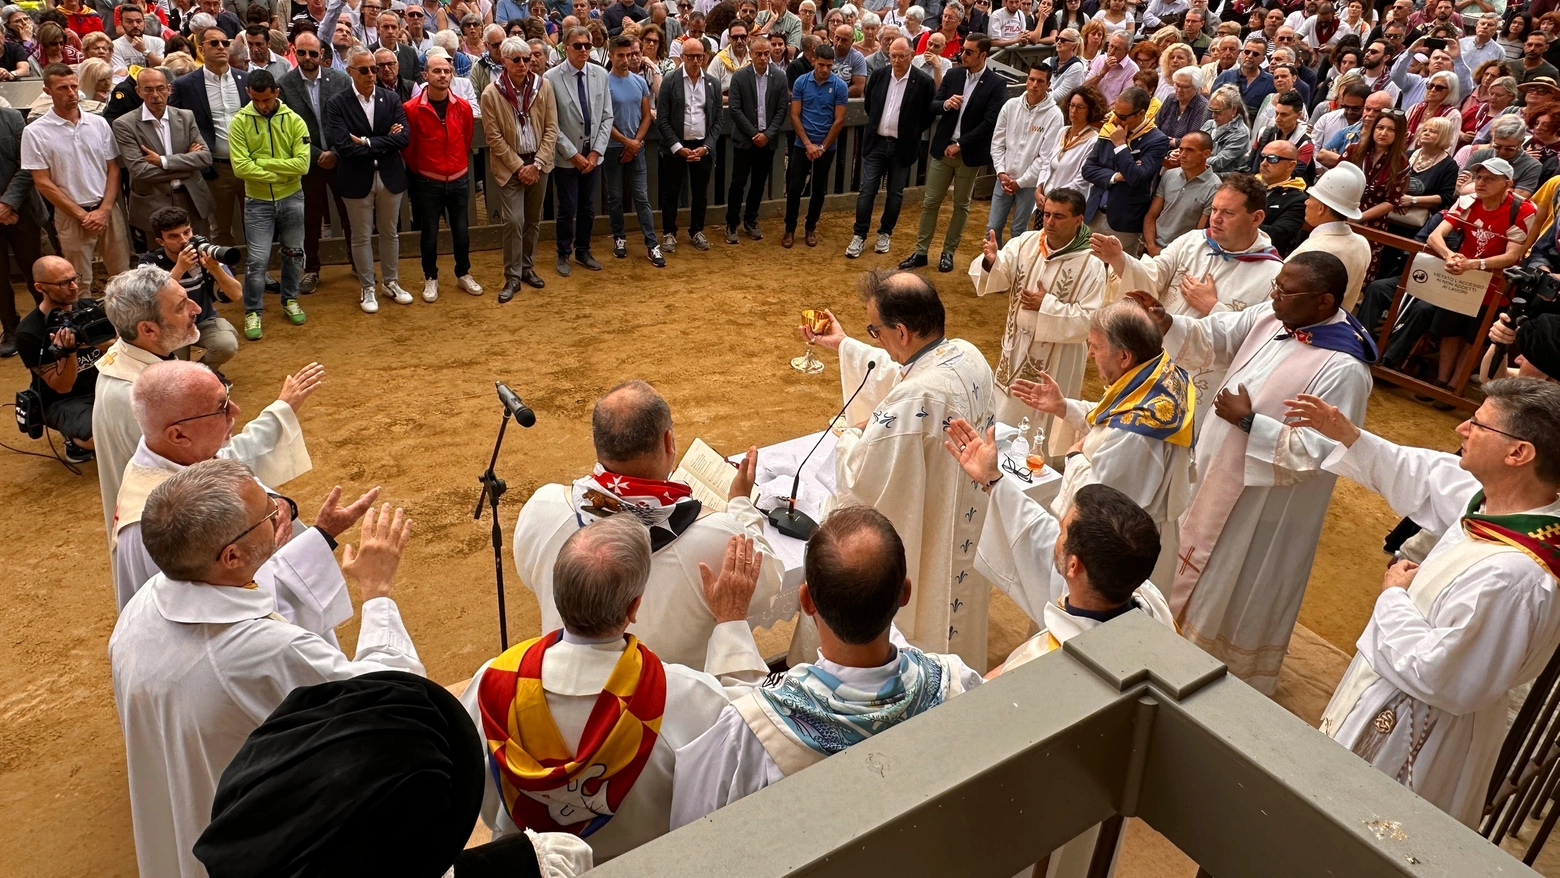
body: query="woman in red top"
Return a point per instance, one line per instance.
(952, 15)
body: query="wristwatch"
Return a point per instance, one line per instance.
(1245, 423)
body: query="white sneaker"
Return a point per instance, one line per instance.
(469, 284)
(882, 244)
(369, 301)
(857, 244)
(430, 289)
(669, 243)
(402, 297)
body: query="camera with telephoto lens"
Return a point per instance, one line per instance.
(224, 255)
(87, 321)
(1528, 287)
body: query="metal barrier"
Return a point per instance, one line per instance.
(1125, 720)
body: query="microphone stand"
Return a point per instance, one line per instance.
(493, 488)
(788, 519)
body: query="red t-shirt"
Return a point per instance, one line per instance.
(1486, 232)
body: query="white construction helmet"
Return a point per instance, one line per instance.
(1341, 189)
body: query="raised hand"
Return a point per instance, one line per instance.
(1312, 411)
(334, 519)
(300, 385)
(976, 455)
(747, 473)
(729, 592)
(1043, 395)
(373, 563)
(830, 338)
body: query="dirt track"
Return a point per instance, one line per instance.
(409, 404)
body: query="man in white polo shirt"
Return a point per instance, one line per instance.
(87, 214)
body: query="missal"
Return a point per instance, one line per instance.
(709, 475)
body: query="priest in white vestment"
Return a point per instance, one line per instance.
(890, 457)
(186, 416)
(1424, 699)
(1054, 285)
(558, 761)
(636, 452)
(864, 681)
(1138, 439)
(200, 657)
(1228, 266)
(1249, 536)
(154, 318)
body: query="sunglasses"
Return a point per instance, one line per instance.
(518, 60)
(1275, 159)
(308, 53)
(221, 44)
(366, 71)
(414, 15)
(579, 45)
(1436, 87)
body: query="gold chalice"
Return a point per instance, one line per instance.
(817, 319)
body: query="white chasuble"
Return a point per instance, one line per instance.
(1425, 698)
(1240, 280)
(1052, 338)
(893, 460)
(1248, 539)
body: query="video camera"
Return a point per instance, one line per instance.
(224, 255)
(87, 320)
(1526, 287)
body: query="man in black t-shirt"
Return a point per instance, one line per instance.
(65, 383)
(200, 276)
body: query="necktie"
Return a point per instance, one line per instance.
(584, 102)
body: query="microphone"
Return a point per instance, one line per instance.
(788, 519)
(512, 404)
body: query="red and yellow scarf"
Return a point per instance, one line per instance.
(1537, 536)
(545, 786)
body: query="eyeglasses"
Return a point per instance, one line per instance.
(739, 36)
(1474, 420)
(1275, 159)
(1395, 114)
(307, 53)
(1435, 87)
(496, 46)
(222, 410)
(579, 45)
(1250, 52)
(66, 282)
(221, 44)
(367, 71)
(1279, 292)
(276, 509)
(151, 89)
(874, 329)
(1023, 472)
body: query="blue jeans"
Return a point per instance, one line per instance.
(638, 174)
(1021, 204)
(266, 222)
(875, 165)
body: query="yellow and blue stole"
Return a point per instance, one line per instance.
(1156, 399)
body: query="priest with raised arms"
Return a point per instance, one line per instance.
(1054, 285)
(200, 657)
(1138, 438)
(1424, 699)
(891, 458)
(1250, 534)
(636, 452)
(580, 726)
(186, 416)
(864, 680)
(1227, 266)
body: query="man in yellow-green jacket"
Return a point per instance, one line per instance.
(269, 146)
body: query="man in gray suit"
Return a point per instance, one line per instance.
(584, 130)
(756, 117)
(687, 117)
(307, 90)
(21, 218)
(162, 150)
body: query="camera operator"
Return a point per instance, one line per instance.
(200, 275)
(1535, 345)
(64, 369)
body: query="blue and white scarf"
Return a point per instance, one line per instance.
(826, 715)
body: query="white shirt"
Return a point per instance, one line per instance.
(970, 81)
(575, 670)
(198, 667)
(222, 96)
(365, 104)
(76, 153)
(1005, 25)
(312, 86)
(888, 123)
(674, 619)
(126, 55)
(693, 107)
(165, 134)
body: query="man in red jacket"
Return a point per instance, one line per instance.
(438, 161)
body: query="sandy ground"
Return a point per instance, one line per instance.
(409, 405)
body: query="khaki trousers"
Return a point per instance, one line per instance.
(79, 246)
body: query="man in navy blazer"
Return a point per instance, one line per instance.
(968, 103)
(194, 91)
(1124, 170)
(891, 142)
(368, 129)
(687, 118)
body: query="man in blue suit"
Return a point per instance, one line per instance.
(1124, 169)
(367, 126)
(214, 93)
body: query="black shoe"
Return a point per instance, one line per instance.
(945, 263)
(620, 248)
(8, 344)
(563, 266)
(223, 378)
(753, 231)
(76, 454)
(731, 234)
(584, 258)
(533, 279)
(508, 292)
(656, 258)
(913, 261)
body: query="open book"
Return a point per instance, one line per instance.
(709, 475)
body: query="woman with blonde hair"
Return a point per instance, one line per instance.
(1091, 40)
(1432, 177)
(180, 63)
(97, 45)
(1175, 57)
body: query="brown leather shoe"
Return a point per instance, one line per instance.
(788, 240)
(812, 238)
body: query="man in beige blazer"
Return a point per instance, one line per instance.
(520, 120)
(162, 150)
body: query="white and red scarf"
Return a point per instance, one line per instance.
(666, 507)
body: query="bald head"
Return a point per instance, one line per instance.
(179, 406)
(631, 425)
(1283, 149)
(150, 77)
(855, 574)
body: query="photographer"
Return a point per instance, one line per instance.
(1535, 351)
(64, 368)
(200, 274)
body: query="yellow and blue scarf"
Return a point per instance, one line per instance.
(1156, 399)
